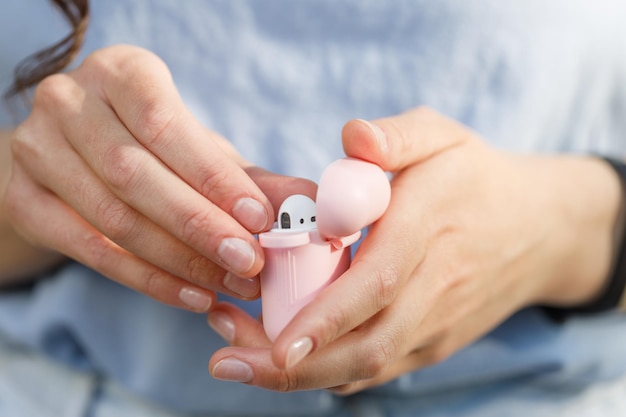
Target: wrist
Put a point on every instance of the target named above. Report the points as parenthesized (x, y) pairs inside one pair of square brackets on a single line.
[(584, 199)]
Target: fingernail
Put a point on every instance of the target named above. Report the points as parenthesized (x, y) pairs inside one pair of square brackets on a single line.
[(298, 351), (195, 299), (381, 138), (231, 369), (246, 287), (223, 325), (250, 213), (237, 254)]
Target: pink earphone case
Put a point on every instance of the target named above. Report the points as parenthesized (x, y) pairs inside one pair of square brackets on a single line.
[(299, 264)]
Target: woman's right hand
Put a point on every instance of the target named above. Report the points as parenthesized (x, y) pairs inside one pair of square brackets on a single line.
[(112, 170)]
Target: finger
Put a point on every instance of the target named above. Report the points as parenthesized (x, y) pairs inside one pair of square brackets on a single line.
[(380, 268), (82, 190), (377, 351), (144, 182), (366, 353), (462, 316), (412, 362), (236, 327), (469, 309), (278, 187), (397, 142), (253, 365), (359, 355), (49, 222), (158, 119), (466, 330)]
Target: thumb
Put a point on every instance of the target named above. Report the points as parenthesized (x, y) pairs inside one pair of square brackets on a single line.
[(397, 142)]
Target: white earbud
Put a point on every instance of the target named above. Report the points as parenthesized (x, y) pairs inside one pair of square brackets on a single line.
[(297, 213)]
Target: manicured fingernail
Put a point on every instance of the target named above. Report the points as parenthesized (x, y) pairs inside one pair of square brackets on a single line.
[(246, 287), (251, 214), (237, 254), (195, 299), (231, 369), (381, 138), (298, 351), (223, 325)]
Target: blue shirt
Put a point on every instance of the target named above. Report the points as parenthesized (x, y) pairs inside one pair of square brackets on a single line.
[(279, 78)]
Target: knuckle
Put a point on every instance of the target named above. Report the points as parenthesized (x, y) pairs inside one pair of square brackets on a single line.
[(104, 59), (438, 353), (23, 144), (385, 286), (95, 61), (426, 112), (150, 283), (199, 269), (457, 133), (117, 219), (433, 338), (401, 142), (446, 325), (333, 324), (153, 118), (55, 91), (215, 181), (137, 71), (122, 61), (379, 358), (195, 225), (446, 282), (289, 382), (97, 251), (455, 274), (122, 168)]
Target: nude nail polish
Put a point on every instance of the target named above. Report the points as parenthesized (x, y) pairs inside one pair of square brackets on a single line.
[(250, 214), (223, 325), (237, 254), (195, 299), (298, 351), (245, 287), (231, 369)]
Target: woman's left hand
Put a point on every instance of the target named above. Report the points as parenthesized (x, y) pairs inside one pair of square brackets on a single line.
[(471, 236)]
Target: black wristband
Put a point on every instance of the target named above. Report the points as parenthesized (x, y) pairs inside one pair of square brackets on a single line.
[(612, 294)]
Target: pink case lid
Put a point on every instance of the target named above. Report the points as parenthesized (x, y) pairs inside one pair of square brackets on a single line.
[(352, 194)]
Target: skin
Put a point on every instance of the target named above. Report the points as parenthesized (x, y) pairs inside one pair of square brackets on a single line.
[(471, 236), (112, 170)]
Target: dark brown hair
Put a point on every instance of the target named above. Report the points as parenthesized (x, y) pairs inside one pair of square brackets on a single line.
[(54, 58)]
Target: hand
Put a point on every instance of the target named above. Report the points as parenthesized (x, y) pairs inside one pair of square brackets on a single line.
[(112, 170), (471, 235)]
